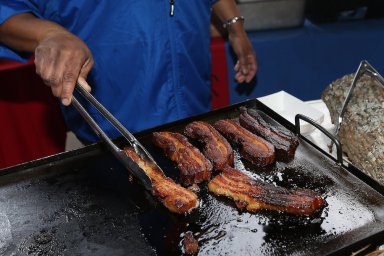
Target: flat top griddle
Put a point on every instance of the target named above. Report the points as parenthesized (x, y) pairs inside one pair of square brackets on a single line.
[(82, 202)]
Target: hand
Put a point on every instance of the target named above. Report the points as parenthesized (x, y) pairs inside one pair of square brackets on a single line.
[(246, 65), (61, 59)]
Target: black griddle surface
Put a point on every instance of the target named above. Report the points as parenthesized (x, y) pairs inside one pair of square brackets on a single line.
[(82, 203)]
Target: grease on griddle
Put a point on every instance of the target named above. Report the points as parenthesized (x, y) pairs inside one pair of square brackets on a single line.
[(288, 175), (299, 177), (43, 242)]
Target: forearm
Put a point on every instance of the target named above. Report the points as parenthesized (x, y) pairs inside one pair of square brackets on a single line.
[(246, 65), (61, 58), (226, 9), (23, 32)]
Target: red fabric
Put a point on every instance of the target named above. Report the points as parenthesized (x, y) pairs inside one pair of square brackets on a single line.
[(9, 64), (31, 124), (219, 79)]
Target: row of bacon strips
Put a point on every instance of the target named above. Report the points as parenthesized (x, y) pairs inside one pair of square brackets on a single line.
[(217, 156)]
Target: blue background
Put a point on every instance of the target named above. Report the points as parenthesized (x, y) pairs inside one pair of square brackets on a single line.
[(303, 61)]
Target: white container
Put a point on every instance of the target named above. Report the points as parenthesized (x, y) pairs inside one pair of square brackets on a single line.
[(289, 106), (271, 14)]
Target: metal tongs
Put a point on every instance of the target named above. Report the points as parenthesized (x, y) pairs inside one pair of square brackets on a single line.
[(120, 154), (364, 68)]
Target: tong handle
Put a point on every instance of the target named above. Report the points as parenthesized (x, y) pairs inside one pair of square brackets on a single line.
[(139, 149), (105, 113), (323, 130), (363, 68), (96, 128), (117, 152)]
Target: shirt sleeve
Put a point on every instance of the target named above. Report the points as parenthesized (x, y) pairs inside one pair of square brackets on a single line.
[(9, 8)]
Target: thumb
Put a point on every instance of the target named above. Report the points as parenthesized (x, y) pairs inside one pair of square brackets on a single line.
[(83, 83), (84, 73)]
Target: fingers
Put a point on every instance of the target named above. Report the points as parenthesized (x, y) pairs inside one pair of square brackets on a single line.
[(68, 83), (60, 61), (59, 72), (252, 68), (45, 62), (245, 69), (239, 75)]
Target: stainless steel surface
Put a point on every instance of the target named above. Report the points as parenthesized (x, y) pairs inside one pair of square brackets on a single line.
[(271, 14), (119, 154)]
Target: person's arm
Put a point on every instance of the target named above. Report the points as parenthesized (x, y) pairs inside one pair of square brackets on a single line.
[(61, 58), (246, 65)]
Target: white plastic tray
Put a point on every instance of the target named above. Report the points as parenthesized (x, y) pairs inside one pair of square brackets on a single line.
[(289, 106)]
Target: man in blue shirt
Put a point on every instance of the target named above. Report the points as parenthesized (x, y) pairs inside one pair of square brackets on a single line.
[(147, 61)]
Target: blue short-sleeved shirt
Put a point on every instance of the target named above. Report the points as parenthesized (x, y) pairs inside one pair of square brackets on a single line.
[(150, 68)]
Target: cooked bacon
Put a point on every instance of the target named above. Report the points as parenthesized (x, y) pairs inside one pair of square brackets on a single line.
[(190, 244), (254, 195), (173, 196), (216, 147), (284, 141), (193, 166), (253, 148)]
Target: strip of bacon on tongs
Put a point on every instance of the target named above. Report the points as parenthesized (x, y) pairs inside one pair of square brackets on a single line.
[(193, 165), (284, 141), (253, 195), (252, 147), (173, 196), (216, 147)]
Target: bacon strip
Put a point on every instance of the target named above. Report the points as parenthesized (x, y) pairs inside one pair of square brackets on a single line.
[(173, 196), (216, 147), (254, 195), (193, 166), (189, 243), (284, 141), (253, 148)]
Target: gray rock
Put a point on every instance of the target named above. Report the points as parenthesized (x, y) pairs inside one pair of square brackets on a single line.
[(362, 130)]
